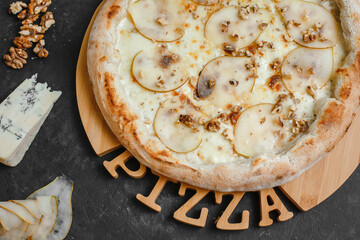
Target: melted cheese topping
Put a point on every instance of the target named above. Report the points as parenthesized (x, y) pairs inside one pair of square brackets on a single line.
[(197, 51)]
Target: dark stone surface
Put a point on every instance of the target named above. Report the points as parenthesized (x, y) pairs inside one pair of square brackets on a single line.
[(105, 208)]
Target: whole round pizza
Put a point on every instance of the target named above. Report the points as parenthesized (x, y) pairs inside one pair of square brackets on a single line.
[(227, 95)]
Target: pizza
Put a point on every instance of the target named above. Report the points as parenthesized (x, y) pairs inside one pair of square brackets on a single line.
[(227, 95)]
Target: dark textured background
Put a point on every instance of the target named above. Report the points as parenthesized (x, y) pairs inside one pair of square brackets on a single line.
[(105, 208)]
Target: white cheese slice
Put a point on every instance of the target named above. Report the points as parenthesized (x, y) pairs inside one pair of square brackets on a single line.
[(21, 116)]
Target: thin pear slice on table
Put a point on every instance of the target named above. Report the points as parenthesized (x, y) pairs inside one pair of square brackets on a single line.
[(159, 70), (14, 234), (206, 2), (30, 229), (175, 125), (228, 26), (306, 68), (9, 220), (61, 188), (18, 210), (262, 135), (226, 80), (30, 205), (159, 20), (48, 209), (310, 24)]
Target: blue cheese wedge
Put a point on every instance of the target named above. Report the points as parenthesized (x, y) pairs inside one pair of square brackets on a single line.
[(21, 116)]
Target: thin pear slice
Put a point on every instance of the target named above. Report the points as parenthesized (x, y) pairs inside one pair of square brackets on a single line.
[(310, 24), (9, 220), (14, 234), (159, 20), (48, 208), (31, 229), (226, 80), (306, 67), (61, 188), (227, 26), (159, 70), (206, 2), (257, 131), (19, 211), (30, 205), (174, 134)]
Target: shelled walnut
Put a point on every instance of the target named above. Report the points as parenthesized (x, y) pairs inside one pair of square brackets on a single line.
[(47, 20), (16, 58), (27, 17), (37, 6), (40, 50), (16, 7), (23, 42)]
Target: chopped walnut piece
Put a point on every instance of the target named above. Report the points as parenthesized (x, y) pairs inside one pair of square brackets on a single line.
[(213, 125), (234, 82), (40, 50), (16, 58), (299, 126), (27, 18), (47, 20), (274, 80), (311, 91), (278, 105), (290, 24), (160, 83), (233, 117), (255, 8), (162, 21), (244, 13), (16, 7), (311, 71), (229, 48), (236, 109), (28, 30), (234, 36), (211, 83), (287, 37), (263, 120), (168, 59), (310, 36), (224, 26), (187, 120), (37, 6), (23, 42), (262, 26), (276, 64), (222, 117)]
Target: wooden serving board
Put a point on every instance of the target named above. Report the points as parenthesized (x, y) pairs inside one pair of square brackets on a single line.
[(306, 192)]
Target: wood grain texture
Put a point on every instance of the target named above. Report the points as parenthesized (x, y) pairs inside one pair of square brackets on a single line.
[(100, 136), (323, 179), (306, 192)]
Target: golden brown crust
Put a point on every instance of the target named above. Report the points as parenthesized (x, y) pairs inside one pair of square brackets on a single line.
[(334, 115)]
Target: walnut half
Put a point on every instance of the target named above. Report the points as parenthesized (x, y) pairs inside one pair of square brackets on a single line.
[(16, 58), (47, 20), (16, 7), (40, 50)]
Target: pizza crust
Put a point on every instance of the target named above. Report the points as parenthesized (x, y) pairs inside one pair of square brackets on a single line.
[(334, 115)]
